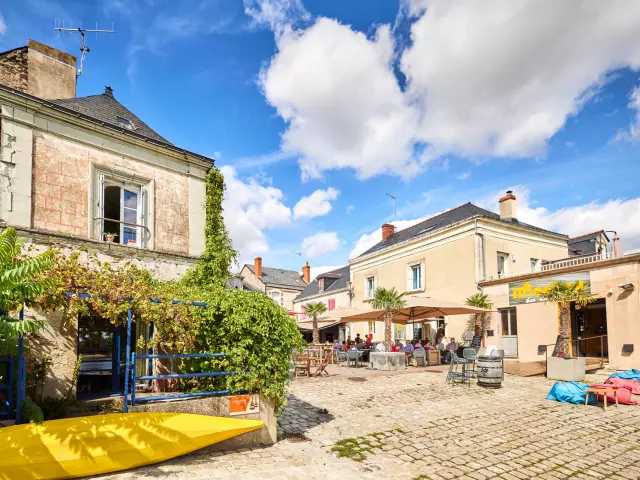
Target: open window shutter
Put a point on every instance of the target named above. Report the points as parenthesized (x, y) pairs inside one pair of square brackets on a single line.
[(410, 278), (142, 214), (147, 214), (100, 206), (332, 303)]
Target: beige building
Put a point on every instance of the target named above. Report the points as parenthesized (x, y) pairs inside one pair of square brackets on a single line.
[(87, 172), (283, 286), (608, 328), (334, 290), (446, 257)]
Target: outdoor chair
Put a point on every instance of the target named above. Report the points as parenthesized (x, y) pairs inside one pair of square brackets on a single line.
[(322, 366), (419, 355), (454, 375), (471, 356), (354, 355), (301, 364), (342, 356)]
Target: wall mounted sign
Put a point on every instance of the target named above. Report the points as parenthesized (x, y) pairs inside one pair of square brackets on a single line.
[(531, 291), (244, 404)]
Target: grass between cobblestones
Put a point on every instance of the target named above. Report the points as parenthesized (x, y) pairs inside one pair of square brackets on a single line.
[(357, 448)]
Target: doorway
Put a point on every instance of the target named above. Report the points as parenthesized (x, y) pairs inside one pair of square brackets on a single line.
[(589, 329), (509, 331)]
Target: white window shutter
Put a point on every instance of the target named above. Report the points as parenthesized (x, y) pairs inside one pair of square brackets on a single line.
[(142, 214), (410, 287), (148, 208), (100, 206)]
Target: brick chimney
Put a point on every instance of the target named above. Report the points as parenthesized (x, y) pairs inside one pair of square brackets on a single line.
[(508, 206), (306, 272), (387, 230), (257, 266)]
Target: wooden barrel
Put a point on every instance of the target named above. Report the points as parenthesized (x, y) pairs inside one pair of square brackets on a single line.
[(490, 372)]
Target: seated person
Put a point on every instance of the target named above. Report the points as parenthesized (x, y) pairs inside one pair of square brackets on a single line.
[(409, 348), (439, 343), (394, 347), (418, 345), (428, 346), (380, 347), (358, 339), (452, 345), (368, 343), (345, 346), (399, 345), (336, 345), (359, 346)]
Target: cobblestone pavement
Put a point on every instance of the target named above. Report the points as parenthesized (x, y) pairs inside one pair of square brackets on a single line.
[(416, 426)]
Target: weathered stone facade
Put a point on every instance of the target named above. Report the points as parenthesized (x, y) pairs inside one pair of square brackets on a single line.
[(14, 70)]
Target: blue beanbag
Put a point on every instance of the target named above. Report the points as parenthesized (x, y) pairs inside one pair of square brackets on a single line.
[(570, 392), (628, 375)]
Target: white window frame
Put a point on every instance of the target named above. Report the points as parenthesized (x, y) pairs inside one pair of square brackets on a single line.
[(370, 293), (534, 265), (146, 203), (372, 327), (505, 256), (278, 300), (410, 286)]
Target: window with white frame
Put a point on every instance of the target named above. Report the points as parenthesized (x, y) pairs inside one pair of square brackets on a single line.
[(369, 287), (503, 264), (534, 264), (415, 277), (275, 296), (122, 209)]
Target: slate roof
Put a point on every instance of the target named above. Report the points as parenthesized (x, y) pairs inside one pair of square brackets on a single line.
[(342, 274), (280, 277), (445, 219), (106, 108), (584, 244)]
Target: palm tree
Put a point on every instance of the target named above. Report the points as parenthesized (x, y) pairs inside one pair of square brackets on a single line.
[(480, 300), (563, 293), (389, 301), (313, 309), (20, 284)]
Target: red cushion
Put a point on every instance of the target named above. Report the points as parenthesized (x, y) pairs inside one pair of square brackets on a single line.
[(624, 394), (632, 385)]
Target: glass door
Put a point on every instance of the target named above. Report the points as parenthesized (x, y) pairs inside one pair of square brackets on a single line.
[(509, 331)]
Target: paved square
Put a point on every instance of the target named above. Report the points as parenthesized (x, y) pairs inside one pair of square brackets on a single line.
[(413, 425)]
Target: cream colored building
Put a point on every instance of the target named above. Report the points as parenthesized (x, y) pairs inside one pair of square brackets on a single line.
[(78, 171), (281, 285), (333, 289), (609, 328), (447, 256)]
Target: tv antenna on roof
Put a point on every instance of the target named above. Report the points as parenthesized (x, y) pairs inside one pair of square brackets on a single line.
[(59, 27)]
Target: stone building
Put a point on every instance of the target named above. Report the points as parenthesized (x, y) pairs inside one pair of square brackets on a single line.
[(87, 172)]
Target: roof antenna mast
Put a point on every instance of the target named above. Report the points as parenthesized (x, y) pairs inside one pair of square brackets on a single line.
[(59, 27)]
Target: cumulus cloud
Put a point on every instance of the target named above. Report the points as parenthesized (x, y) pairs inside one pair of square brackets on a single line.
[(320, 244), (315, 271), (501, 77), (278, 15), (316, 204), (368, 240), (633, 133), (249, 209), (342, 104), (621, 215)]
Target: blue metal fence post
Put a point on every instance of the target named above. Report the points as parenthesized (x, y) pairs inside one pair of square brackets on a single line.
[(115, 360), (21, 370), (133, 378), (127, 362)]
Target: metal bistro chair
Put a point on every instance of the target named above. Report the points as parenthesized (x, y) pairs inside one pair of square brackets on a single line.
[(471, 356), (354, 355), (454, 375), (342, 356)]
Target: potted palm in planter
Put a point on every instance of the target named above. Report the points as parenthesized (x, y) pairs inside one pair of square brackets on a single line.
[(564, 366), (313, 310), (387, 301)]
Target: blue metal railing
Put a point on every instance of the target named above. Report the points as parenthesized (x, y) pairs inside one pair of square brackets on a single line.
[(171, 375)]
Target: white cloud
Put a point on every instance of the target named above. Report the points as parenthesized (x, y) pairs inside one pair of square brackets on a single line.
[(368, 240), (633, 133), (3, 25), (350, 208), (278, 15), (501, 77), (319, 244), (316, 204), (343, 107), (315, 271), (464, 176), (249, 209), (621, 215)]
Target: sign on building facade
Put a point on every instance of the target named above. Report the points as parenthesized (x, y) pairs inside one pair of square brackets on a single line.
[(531, 291)]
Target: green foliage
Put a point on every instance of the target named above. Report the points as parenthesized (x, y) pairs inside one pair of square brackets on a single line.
[(563, 293), (36, 374), (388, 300), (479, 300), (21, 283), (31, 412), (313, 310), (219, 254)]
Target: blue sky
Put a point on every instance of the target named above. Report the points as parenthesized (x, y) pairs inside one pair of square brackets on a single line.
[(315, 109)]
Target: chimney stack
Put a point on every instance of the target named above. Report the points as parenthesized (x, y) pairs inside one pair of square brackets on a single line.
[(306, 272), (387, 230), (257, 266), (508, 206)]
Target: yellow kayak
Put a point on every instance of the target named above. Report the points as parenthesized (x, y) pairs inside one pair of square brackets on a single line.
[(84, 446)]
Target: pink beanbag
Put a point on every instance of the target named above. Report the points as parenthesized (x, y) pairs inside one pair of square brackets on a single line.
[(632, 385), (624, 394)]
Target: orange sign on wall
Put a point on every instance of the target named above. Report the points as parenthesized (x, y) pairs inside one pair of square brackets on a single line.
[(244, 404)]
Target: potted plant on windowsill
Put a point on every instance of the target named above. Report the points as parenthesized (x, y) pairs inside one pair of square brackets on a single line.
[(564, 366)]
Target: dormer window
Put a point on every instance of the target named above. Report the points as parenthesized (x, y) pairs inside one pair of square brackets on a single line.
[(321, 285), (125, 122)]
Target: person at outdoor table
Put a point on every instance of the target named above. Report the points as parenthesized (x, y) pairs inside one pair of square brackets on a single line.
[(380, 347), (439, 343), (428, 346), (359, 345), (349, 341), (336, 345), (368, 343), (394, 348), (358, 339), (452, 345), (398, 345), (476, 341), (409, 348), (418, 345), (345, 346)]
